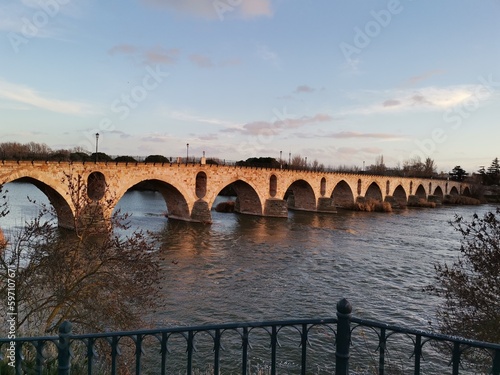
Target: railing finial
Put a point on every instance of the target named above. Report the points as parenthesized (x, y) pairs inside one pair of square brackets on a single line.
[(344, 306)]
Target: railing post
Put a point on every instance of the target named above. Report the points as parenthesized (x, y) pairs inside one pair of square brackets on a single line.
[(496, 363), (64, 356), (344, 310)]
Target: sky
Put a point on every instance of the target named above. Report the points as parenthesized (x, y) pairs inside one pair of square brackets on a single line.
[(338, 81)]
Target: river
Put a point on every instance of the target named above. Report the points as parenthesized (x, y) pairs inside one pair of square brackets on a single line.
[(249, 268)]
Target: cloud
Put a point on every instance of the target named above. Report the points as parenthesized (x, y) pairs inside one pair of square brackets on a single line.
[(155, 55), (266, 54), (423, 77), (391, 103), (304, 88), (230, 62), (201, 61), (26, 95), (209, 137), (160, 55), (156, 138), (213, 9), (353, 150), (183, 116), (15, 14), (430, 98), (126, 49), (351, 134), (120, 134), (275, 127)]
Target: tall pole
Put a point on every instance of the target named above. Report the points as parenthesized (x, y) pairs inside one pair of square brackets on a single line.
[(289, 158), (187, 152), (281, 152), (96, 145)]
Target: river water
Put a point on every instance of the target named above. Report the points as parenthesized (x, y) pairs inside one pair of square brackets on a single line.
[(248, 268)]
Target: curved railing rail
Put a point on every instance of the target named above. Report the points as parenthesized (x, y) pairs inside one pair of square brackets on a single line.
[(306, 346)]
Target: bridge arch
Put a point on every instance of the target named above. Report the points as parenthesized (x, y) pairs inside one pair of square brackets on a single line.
[(300, 196), (420, 192), (400, 195), (247, 199), (454, 191), (342, 194), (438, 192), (374, 192), (177, 207), (64, 212)]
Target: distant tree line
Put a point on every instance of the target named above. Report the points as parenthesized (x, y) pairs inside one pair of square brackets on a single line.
[(40, 151), (491, 175)]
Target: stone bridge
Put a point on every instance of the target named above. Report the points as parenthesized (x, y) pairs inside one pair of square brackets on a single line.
[(190, 190)]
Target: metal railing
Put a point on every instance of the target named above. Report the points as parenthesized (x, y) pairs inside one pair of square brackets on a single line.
[(309, 346)]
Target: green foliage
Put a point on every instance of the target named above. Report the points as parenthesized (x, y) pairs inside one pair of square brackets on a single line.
[(458, 174), (126, 159), (156, 159), (471, 285), (264, 162), (79, 156), (491, 176), (101, 157)]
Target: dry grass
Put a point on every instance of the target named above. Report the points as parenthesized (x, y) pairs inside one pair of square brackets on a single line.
[(422, 203), (371, 205)]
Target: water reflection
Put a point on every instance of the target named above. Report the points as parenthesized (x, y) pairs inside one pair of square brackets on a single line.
[(245, 267)]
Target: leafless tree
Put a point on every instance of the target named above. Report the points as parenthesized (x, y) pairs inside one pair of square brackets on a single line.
[(98, 276), (471, 285)]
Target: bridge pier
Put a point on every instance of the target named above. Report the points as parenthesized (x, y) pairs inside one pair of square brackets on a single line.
[(326, 205), (435, 198), (275, 207), (413, 199), (201, 212)]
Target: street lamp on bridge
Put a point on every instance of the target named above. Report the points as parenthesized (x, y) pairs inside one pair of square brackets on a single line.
[(187, 152), (96, 145)]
